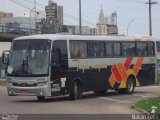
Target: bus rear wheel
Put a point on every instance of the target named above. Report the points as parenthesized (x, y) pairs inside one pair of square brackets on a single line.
[(130, 86), (76, 91), (41, 98)]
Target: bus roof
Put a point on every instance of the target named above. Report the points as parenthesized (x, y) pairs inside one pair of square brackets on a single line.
[(82, 37)]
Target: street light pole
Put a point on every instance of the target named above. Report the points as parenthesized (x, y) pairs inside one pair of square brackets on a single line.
[(150, 3), (80, 18), (129, 24)]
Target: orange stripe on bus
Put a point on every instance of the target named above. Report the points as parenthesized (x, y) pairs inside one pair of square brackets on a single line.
[(112, 80), (138, 65)]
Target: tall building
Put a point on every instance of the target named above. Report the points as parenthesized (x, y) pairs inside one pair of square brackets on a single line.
[(112, 19), (60, 14), (54, 12), (51, 11), (101, 25), (5, 15), (54, 19)]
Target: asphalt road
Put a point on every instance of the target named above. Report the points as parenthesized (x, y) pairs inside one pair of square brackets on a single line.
[(110, 103)]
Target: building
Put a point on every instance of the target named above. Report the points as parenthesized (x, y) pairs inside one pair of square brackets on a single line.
[(112, 29), (51, 11), (5, 15), (74, 29), (54, 19), (60, 14), (112, 19), (101, 25), (25, 23), (49, 27), (106, 25), (93, 31), (85, 30)]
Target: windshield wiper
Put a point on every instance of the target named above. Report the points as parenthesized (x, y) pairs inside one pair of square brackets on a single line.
[(25, 65)]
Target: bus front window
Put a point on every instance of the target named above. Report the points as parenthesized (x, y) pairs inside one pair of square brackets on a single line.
[(30, 57)]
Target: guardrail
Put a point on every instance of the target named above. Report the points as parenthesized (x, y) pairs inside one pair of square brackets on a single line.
[(27, 31)]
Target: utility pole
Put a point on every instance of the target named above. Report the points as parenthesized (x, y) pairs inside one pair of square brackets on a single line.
[(150, 3), (80, 18), (35, 11)]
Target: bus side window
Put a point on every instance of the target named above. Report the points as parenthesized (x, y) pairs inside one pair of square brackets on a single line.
[(142, 49), (96, 49), (78, 49), (128, 49), (113, 49), (151, 49)]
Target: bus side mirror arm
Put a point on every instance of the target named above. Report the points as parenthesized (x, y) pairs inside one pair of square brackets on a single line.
[(5, 57)]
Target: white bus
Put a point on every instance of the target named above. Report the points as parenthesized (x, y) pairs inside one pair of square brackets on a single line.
[(52, 65)]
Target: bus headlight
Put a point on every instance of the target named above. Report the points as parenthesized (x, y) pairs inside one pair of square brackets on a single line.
[(42, 84), (9, 83)]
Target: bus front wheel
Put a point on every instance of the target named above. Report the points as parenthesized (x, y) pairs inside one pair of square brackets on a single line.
[(76, 91)]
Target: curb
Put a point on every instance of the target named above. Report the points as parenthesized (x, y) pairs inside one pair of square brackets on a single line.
[(140, 110)]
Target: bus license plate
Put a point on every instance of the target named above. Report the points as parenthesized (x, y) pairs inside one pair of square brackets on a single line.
[(24, 91)]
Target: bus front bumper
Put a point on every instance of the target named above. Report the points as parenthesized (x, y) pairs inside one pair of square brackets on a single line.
[(28, 91)]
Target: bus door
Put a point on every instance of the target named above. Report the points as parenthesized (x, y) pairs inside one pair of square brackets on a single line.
[(59, 65)]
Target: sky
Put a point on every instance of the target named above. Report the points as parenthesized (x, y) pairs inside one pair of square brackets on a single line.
[(126, 11)]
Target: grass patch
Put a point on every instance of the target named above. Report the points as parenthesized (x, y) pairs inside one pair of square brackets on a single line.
[(148, 103), (158, 72), (158, 78), (3, 82)]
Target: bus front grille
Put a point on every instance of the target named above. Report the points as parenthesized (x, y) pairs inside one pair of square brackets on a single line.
[(24, 85)]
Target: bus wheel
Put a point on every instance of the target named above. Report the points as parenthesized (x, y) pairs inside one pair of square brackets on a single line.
[(100, 92), (130, 86), (41, 98), (76, 91)]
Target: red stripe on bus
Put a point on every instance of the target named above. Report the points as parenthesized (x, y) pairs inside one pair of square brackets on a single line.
[(117, 74), (128, 62)]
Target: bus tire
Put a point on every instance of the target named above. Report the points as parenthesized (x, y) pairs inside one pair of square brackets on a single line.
[(41, 98), (130, 86), (76, 90)]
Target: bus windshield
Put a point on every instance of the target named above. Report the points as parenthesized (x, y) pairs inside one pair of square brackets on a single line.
[(29, 57)]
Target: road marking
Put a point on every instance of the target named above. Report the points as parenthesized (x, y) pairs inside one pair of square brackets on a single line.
[(151, 94), (110, 99), (144, 95), (140, 95), (151, 87)]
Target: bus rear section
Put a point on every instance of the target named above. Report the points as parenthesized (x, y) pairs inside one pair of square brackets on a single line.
[(121, 65)]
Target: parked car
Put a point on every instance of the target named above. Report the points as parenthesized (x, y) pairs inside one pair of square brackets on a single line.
[(17, 31)]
